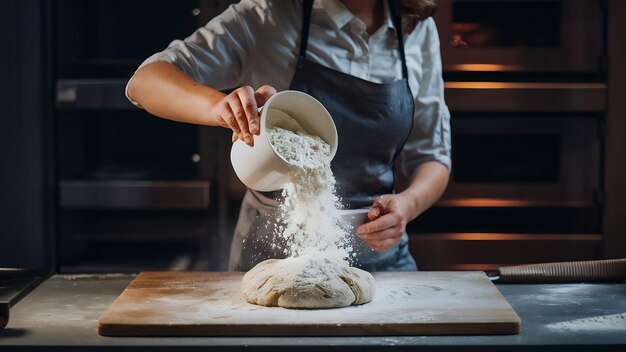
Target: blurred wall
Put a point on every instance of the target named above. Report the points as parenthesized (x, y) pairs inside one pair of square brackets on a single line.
[(23, 101)]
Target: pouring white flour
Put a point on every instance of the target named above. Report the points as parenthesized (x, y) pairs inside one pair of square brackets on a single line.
[(317, 273)]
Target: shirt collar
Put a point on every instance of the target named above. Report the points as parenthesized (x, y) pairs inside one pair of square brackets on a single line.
[(341, 16), (388, 18)]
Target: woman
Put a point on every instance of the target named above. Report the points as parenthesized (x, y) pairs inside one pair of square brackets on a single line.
[(374, 64)]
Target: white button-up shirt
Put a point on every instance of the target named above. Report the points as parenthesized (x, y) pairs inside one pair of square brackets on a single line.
[(256, 42)]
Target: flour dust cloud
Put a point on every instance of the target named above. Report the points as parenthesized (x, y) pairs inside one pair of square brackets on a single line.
[(310, 222)]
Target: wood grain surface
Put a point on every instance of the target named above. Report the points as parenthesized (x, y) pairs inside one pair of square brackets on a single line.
[(407, 303)]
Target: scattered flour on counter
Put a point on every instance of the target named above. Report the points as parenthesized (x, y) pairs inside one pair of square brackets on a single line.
[(95, 276), (603, 322)]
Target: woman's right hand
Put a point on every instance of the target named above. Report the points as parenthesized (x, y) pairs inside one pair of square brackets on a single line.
[(165, 91), (239, 111)]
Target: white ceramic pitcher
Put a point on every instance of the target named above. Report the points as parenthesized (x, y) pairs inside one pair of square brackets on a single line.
[(260, 167)]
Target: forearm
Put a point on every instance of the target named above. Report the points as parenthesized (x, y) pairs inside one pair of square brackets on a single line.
[(165, 91), (428, 184)]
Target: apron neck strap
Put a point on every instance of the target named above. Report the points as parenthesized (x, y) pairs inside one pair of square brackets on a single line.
[(397, 22), (307, 9)]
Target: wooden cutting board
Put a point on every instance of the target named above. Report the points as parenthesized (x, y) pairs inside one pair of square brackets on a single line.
[(407, 303)]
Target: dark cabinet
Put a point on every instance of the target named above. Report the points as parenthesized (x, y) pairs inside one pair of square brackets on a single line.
[(135, 192)]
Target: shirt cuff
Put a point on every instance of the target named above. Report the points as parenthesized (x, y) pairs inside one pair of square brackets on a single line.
[(409, 168)]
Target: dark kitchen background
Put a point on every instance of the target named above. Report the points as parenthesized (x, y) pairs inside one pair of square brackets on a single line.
[(90, 183)]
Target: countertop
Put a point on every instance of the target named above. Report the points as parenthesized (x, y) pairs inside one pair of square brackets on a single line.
[(61, 314)]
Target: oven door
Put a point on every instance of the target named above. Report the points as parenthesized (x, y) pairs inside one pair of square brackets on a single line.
[(521, 35), (524, 161)]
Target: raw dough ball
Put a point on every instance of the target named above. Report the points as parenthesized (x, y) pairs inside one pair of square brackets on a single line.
[(307, 282)]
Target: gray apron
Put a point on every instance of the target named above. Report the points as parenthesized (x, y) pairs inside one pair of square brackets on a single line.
[(373, 123)]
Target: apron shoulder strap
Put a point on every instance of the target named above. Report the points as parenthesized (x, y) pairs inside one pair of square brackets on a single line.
[(307, 8), (397, 22)]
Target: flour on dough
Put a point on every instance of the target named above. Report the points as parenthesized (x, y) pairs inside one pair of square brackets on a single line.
[(309, 281), (316, 273)]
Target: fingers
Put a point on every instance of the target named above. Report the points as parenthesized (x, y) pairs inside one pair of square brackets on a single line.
[(241, 120), (378, 208), (226, 115), (382, 223), (381, 206), (248, 103), (374, 213), (382, 241), (383, 233), (384, 245), (386, 225), (239, 111), (243, 106), (263, 94)]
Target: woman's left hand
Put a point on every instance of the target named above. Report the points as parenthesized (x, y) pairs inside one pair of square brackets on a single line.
[(388, 218)]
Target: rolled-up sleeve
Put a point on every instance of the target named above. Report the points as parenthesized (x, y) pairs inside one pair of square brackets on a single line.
[(220, 53), (430, 137)]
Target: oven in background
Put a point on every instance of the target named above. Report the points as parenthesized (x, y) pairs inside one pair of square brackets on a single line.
[(525, 161), (526, 87), (523, 188), (522, 35)]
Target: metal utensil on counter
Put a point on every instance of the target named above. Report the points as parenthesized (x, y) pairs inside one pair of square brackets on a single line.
[(14, 285), (610, 270)]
